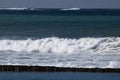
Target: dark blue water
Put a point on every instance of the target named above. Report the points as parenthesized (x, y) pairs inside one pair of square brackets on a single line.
[(58, 76), (41, 23)]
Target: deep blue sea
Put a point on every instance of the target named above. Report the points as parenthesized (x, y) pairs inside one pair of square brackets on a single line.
[(87, 38), (58, 76), (42, 23)]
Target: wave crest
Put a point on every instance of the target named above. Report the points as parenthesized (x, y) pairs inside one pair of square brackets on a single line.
[(71, 9), (14, 8), (62, 45)]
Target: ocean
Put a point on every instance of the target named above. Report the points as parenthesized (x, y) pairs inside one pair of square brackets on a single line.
[(82, 38), (58, 76)]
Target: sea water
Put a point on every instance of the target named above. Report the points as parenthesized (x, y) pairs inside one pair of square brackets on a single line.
[(60, 37), (58, 76)]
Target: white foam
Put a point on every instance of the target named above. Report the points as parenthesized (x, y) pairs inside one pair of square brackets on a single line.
[(71, 9), (62, 45), (62, 52), (113, 64), (72, 60), (13, 8)]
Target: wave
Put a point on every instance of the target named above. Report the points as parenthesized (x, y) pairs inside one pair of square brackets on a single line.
[(31, 9), (71, 9), (24, 8), (14, 8), (62, 45)]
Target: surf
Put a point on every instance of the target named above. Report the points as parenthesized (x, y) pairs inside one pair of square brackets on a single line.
[(62, 45)]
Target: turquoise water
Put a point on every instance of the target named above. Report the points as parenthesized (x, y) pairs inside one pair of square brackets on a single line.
[(58, 76), (40, 23), (41, 26)]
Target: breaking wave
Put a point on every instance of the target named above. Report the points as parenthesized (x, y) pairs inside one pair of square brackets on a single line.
[(24, 8), (71, 9), (62, 45), (14, 8)]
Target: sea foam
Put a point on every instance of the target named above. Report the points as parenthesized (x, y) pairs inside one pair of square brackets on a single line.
[(71, 9), (13, 8), (62, 45)]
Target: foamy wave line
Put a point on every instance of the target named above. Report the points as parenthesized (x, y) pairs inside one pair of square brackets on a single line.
[(71, 9), (14, 8), (62, 45)]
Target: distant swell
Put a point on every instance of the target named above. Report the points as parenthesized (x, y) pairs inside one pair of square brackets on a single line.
[(62, 45), (71, 9)]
